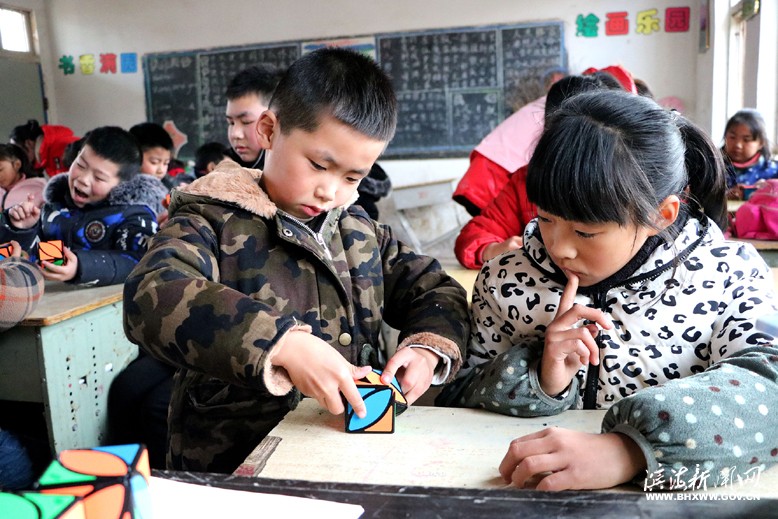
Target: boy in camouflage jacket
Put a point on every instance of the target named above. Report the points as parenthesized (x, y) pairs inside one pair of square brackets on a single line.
[(266, 285)]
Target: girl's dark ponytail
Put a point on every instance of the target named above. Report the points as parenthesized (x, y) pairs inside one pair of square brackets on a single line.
[(706, 172), (26, 132)]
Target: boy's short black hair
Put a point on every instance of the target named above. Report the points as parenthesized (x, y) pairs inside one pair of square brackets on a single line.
[(151, 135), (209, 152), (117, 145), (344, 84), (260, 81), (72, 150)]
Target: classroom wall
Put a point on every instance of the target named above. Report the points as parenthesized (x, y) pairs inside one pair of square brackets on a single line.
[(75, 27)]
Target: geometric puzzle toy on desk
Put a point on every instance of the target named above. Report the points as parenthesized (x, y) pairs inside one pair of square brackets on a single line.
[(112, 481), (6, 250), (382, 402), (33, 505), (52, 251)]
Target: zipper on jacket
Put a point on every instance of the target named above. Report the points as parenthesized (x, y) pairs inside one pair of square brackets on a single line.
[(593, 372), (316, 235)]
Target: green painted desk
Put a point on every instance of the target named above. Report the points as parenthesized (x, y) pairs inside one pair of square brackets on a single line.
[(65, 355)]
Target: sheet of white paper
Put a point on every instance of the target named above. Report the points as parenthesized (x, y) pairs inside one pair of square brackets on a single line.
[(176, 499)]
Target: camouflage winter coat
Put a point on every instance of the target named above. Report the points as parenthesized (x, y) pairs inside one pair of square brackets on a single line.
[(229, 275)]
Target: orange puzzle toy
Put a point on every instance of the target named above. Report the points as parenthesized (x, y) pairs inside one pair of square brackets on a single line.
[(52, 251), (6, 250)]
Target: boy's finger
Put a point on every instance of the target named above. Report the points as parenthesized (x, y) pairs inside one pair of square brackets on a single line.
[(390, 370), (351, 393), (567, 299)]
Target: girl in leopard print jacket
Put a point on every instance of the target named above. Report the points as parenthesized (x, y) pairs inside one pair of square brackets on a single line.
[(626, 297)]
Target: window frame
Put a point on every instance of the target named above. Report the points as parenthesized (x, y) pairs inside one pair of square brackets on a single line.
[(30, 28)]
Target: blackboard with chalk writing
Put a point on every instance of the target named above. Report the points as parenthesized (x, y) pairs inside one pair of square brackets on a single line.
[(453, 85)]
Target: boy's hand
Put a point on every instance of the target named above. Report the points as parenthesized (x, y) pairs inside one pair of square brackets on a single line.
[(26, 214), (415, 368), (16, 250), (561, 459), (568, 348), (320, 372), (64, 272)]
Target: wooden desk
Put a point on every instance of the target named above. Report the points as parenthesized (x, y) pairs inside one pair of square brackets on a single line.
[(65, 355), (431, 446)]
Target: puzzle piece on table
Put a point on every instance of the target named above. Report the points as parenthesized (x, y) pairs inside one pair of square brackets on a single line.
[(52, 251), (112, 481), (379, 401), (374, 378)]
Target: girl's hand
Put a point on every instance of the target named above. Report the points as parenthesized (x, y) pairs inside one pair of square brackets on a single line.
[(26, 214), (415, 368), (562, 459), (567, 348), (64, 272)]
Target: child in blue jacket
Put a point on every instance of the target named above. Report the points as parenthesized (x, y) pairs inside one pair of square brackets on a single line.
[(100, 209)]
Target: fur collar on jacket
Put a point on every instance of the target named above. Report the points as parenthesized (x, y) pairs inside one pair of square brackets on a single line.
[(139, 190), (237, 185)]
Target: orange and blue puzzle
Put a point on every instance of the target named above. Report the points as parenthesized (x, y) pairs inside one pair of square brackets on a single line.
[(382, 401), (52, 251), (112, 482), (6, 250)]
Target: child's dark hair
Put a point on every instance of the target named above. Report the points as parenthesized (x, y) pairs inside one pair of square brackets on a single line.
[(341, 83), (26, 132), (209, 152), (569, 86), (754, 121), (151, 135), (72, 150), (610, 156), (12, 152), (117, 145), (260, 81)]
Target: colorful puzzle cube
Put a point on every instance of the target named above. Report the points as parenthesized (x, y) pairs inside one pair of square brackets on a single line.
[(112, 481), (6, 250), (52, 251), (383, 403), (34, 505)]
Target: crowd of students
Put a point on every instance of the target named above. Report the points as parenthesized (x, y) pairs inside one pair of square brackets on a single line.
[(613, 286)]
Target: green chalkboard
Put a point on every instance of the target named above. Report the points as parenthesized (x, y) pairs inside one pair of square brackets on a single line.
[(453, 85)]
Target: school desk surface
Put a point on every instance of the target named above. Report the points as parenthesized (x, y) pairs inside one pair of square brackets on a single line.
[(65, 355), (442, 462)]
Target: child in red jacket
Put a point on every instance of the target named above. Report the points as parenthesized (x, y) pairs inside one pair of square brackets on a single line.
[(45, 145), (499, 226)]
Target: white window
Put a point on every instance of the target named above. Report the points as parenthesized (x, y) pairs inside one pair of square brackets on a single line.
[(15, 31)]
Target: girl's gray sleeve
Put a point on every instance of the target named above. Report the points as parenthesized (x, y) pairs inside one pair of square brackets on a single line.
[(508, 384), (713, 427), (500, 372)]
